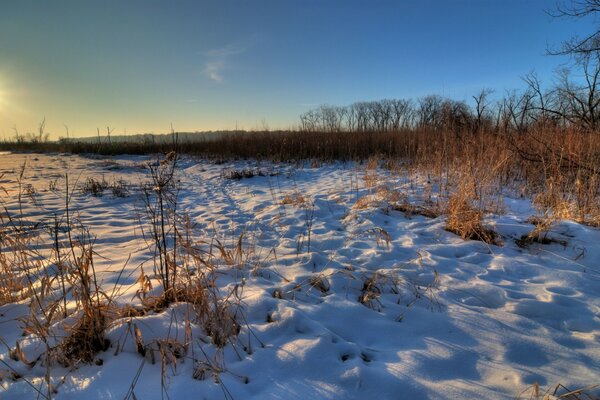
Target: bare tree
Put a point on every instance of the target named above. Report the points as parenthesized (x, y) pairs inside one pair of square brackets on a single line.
[(578, 9), (309, 121), (482, 106), (362, 117), (573, 100), (403, 114), (429, 111), (454, 115), (517, 109), (581, 97), (329, 118)]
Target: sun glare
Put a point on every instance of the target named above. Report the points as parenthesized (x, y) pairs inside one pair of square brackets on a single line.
[(8, 97), (3, 96)]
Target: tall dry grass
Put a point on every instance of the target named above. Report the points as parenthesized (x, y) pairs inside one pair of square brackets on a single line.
[(69, 311)]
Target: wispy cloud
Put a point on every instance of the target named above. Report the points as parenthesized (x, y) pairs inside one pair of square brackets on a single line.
[(218, 60)]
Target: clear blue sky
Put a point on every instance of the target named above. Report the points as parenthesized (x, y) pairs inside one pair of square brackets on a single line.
[(139, 65)]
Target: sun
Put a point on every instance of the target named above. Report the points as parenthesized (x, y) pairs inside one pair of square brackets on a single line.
[(3, 97)]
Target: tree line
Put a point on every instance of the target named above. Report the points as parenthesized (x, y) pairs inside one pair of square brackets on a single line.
[(572, 100)]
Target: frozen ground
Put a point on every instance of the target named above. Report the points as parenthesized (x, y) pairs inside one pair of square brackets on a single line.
[(445, 318)]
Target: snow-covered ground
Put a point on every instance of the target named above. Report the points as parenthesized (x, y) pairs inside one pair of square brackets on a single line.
[(441, 318)]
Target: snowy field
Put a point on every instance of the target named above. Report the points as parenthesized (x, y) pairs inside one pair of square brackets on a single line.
[(342, 297)]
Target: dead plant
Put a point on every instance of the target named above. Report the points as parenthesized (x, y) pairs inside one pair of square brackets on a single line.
[(466, 221), (559, 392), (296, 199), (160, 198), (410, 210), (95, 187), (374, 286), (87, 336)]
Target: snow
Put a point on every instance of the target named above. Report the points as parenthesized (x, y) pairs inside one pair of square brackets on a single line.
[(448, 318)]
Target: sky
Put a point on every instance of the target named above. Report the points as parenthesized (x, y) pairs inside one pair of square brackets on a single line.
[(138, 66)]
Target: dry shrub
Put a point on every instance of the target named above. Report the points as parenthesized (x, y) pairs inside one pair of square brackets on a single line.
[(466, 221), (245, 173), (13, 283), (19, 262), (320, 282), (94, 187), (553, 200), (389, 195), (233, 257), (192, 279), (217, 313), (367, 202), (410, 210), (540, 233), (87, 336), (562, 169), (119, 188), (295, 199), (381, 236), (369, 294), (168, 350), (374, 286), (371, 177), (160, 198), (220, 323), (559, 392), (587, 201), (577, 200)]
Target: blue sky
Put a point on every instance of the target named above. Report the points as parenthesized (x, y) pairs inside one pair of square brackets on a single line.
[(140, 65)]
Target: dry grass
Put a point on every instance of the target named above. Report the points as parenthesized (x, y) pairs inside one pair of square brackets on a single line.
[(558, 392), (390, 195), (320, 282), (466, 221), (97, 187), (367, 201), (540, 233), (374, 286), (237, 174), (13, 281), (296, 199), (69, 313), (410, 210), (371, 177)]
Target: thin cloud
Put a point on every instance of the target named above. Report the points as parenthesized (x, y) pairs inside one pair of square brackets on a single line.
[(219, 60), (213, 70)]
